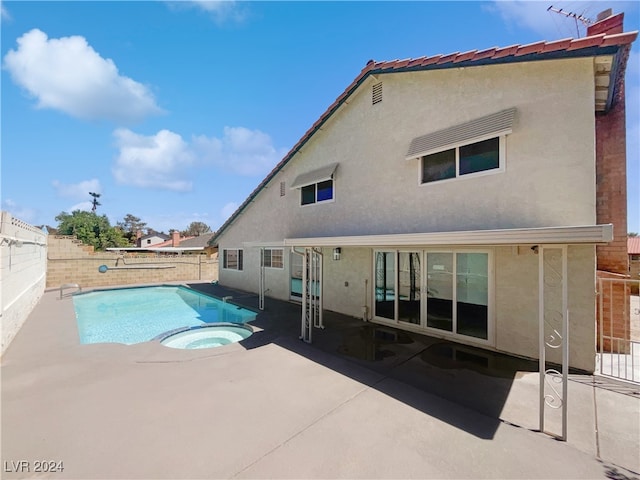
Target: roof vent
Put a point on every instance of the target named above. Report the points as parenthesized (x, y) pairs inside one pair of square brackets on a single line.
[(376, 93)]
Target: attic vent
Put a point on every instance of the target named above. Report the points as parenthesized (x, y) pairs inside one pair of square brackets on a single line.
[(282, 189), (376, 93)]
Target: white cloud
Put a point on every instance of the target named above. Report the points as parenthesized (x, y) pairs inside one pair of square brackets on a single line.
[(4, 13), (20, 212), (240, 150), (534, 15), (67, 74), (78, 190), (84, 206), (156, 161), (228, 210), (220, 10), (164, 160)]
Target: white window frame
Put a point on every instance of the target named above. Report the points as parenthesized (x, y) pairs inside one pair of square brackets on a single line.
[(422, 327), (239, 259), (270, 265), (502, 154), (316, 202)]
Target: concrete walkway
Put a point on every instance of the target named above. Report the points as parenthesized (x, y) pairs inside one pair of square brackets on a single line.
[(361, 402)]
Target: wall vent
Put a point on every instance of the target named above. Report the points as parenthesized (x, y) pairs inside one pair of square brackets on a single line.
[(376, 93), (282, 189)]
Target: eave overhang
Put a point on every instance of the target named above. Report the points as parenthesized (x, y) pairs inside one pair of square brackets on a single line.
[(574, 235)]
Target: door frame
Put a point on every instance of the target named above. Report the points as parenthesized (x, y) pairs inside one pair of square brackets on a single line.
[(422, 327)]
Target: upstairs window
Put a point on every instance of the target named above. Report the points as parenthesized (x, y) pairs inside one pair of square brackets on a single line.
[(463, 160), (316, 192), (316, 186), (476, 147)]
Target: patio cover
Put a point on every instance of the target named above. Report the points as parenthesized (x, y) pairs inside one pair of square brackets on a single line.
[(583, 234)]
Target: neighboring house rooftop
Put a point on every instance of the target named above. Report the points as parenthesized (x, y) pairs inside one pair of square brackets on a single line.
[(163, 236), (611, 49), (198, 241), (633, 245)]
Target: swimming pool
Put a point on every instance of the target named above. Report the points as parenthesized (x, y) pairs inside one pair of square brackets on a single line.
[(141, 314)]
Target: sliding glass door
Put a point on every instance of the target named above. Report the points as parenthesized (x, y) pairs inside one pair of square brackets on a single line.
[(443, 291), (472, 294), (385, 285), (409, 287), (440, 293)]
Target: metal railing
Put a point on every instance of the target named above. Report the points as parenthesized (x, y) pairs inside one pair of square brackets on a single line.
[(619, 329), (66, 286)]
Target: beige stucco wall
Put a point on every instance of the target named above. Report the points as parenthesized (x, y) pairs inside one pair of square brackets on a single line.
[(548, 180), (517, 304), (348, 287)]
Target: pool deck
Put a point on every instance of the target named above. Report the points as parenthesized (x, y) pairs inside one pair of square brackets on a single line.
[(360, 402)]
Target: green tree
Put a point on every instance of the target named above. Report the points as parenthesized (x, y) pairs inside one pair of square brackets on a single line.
[(196, 228), (632, 234), (92, 229), (130, 225)]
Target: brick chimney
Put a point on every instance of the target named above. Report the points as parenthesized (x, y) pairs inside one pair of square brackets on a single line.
[(175, 238), (606, 23), (611, 163)]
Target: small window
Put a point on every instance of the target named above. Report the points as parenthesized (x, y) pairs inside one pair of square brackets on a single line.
[(232, 259), (316, 192), (272, 258), (467, 159), (282, 189)]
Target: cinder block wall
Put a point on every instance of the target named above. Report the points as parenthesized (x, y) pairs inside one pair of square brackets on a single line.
[(69, 261)]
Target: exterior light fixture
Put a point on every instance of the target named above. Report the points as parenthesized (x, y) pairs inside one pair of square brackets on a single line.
[(336, 253)]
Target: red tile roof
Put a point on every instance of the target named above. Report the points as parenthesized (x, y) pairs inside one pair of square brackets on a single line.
[(600, 44), (633, 245)]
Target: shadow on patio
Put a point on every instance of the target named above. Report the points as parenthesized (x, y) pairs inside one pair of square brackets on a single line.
[(477, 379)]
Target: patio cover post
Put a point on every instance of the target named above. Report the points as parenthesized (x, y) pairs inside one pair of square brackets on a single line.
[(547, 273), (261, 281)]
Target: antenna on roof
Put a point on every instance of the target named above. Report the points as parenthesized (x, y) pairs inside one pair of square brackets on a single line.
[(577, 17)]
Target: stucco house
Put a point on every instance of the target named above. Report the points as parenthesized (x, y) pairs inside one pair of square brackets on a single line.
[(151, 239), (453, 195)]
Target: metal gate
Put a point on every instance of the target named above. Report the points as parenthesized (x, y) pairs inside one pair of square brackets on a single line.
[(619, 328)]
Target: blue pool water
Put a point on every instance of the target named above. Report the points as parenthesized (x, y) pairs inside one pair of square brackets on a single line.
[(134, 315)]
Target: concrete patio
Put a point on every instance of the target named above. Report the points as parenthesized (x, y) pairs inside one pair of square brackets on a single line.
[(360, 402)]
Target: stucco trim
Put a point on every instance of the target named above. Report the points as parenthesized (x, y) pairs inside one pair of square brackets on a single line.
[(587, 234)]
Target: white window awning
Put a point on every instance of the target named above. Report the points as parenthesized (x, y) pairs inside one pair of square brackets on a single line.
[(315, 176), (587, 234), (496, 124)]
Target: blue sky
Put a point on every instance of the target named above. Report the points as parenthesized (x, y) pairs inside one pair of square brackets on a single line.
[(175, 111)]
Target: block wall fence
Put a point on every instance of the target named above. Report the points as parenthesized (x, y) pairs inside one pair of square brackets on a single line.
[(23, 265), (69, 261)]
